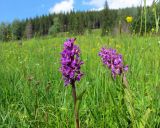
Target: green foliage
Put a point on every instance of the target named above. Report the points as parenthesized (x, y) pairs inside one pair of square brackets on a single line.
[(5, 32), (108, 21), (17, 30), (29, 30), (32, 92), (106, 6), (76, 23), (143, 22), (55, 28), (155, 12)]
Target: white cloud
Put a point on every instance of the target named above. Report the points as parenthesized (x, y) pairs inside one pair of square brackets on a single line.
[(114, 4), (64, 6), (95, 3)]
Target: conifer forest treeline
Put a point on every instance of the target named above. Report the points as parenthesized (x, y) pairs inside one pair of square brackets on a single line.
[(77, 22)]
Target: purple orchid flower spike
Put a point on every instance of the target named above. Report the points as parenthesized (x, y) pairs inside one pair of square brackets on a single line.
[(114, 61), (70, 62), (70, 68)]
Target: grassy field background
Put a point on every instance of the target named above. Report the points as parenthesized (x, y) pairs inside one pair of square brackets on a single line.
[(32, 92)]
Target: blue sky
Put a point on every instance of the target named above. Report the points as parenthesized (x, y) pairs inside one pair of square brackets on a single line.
[(21, 9)]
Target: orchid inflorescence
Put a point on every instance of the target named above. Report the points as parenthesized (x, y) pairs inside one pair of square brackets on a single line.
[(113, 60), (70, 62), (71, 65)]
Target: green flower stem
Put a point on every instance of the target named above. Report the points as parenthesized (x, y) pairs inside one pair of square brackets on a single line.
[(155, 16), (75, 105), (145, 15)]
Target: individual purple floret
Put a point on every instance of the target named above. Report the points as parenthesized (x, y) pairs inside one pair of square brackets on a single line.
[(114, 61), (70, 62)]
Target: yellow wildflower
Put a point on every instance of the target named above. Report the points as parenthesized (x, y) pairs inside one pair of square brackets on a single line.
[(129, 19)]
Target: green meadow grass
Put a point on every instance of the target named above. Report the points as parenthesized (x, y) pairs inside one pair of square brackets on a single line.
[(32, 92)]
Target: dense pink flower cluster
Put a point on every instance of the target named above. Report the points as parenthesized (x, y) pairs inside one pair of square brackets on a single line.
[(113, 60), (70, 62)]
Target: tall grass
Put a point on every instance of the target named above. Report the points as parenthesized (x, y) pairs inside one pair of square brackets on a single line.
[(156, 17), (32, 93), (145, 17)]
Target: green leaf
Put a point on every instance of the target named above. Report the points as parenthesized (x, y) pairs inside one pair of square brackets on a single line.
[(79, 99), (144, 118)]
